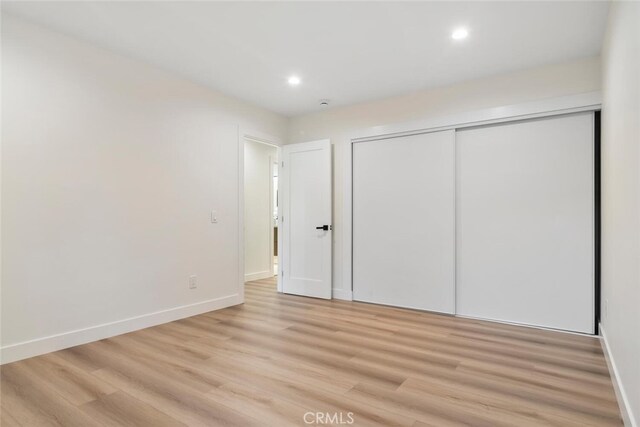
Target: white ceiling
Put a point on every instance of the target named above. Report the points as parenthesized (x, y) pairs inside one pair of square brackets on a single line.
[(347, 52)]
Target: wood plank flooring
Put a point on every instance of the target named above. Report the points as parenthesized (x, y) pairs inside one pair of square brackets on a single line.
[(278, 357)]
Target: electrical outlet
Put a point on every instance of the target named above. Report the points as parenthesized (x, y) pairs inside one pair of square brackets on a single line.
[(214, 217), (193, 282)]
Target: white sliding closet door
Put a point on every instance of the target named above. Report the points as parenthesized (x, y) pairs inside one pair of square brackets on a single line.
[(525, 222), (403, 221)]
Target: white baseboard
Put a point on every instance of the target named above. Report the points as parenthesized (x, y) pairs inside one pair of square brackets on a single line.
[(342, 294), (249, 277), (623, 400), (23, 350)]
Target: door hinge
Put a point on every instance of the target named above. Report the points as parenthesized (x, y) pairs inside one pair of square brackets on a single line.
[(283, 163)]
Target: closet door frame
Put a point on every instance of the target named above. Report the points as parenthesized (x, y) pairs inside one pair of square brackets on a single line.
[(591, 101)]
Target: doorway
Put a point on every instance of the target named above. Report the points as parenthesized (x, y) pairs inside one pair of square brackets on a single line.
[(274, 200), (292, 181), (260, 210)]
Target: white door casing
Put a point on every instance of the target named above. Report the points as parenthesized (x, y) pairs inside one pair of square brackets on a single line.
[(306, 204), (543, 109)]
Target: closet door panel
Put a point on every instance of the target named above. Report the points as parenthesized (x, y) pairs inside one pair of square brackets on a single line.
[(403, 221), (525, 222)]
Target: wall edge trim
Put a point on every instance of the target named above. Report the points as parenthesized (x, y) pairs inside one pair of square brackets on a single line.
[(23, 350), (623, 400)]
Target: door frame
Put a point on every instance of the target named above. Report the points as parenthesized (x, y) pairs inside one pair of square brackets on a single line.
[(591, 101), (262, 138)]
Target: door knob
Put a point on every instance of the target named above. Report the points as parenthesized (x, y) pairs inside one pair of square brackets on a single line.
[(324, 227)]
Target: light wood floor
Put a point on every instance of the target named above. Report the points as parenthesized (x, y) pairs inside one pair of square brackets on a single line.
[(277, 357)]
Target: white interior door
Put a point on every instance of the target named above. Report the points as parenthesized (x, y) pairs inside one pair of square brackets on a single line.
[(403, 221), (306, 219), (525, 242)]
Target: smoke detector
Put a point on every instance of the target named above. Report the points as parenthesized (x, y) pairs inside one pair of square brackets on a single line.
[(324, 102)]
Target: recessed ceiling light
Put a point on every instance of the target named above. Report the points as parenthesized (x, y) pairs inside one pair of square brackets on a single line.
[(459, 33), (294, 80)]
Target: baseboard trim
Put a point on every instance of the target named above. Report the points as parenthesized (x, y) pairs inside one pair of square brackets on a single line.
[(621, 395), (258, 276), (343, 294), (26, 349)]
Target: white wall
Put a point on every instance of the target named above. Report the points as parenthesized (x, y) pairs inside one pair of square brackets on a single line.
[(110, 169), (340, 124), (258, 213), (110, 165), (621, 197)]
